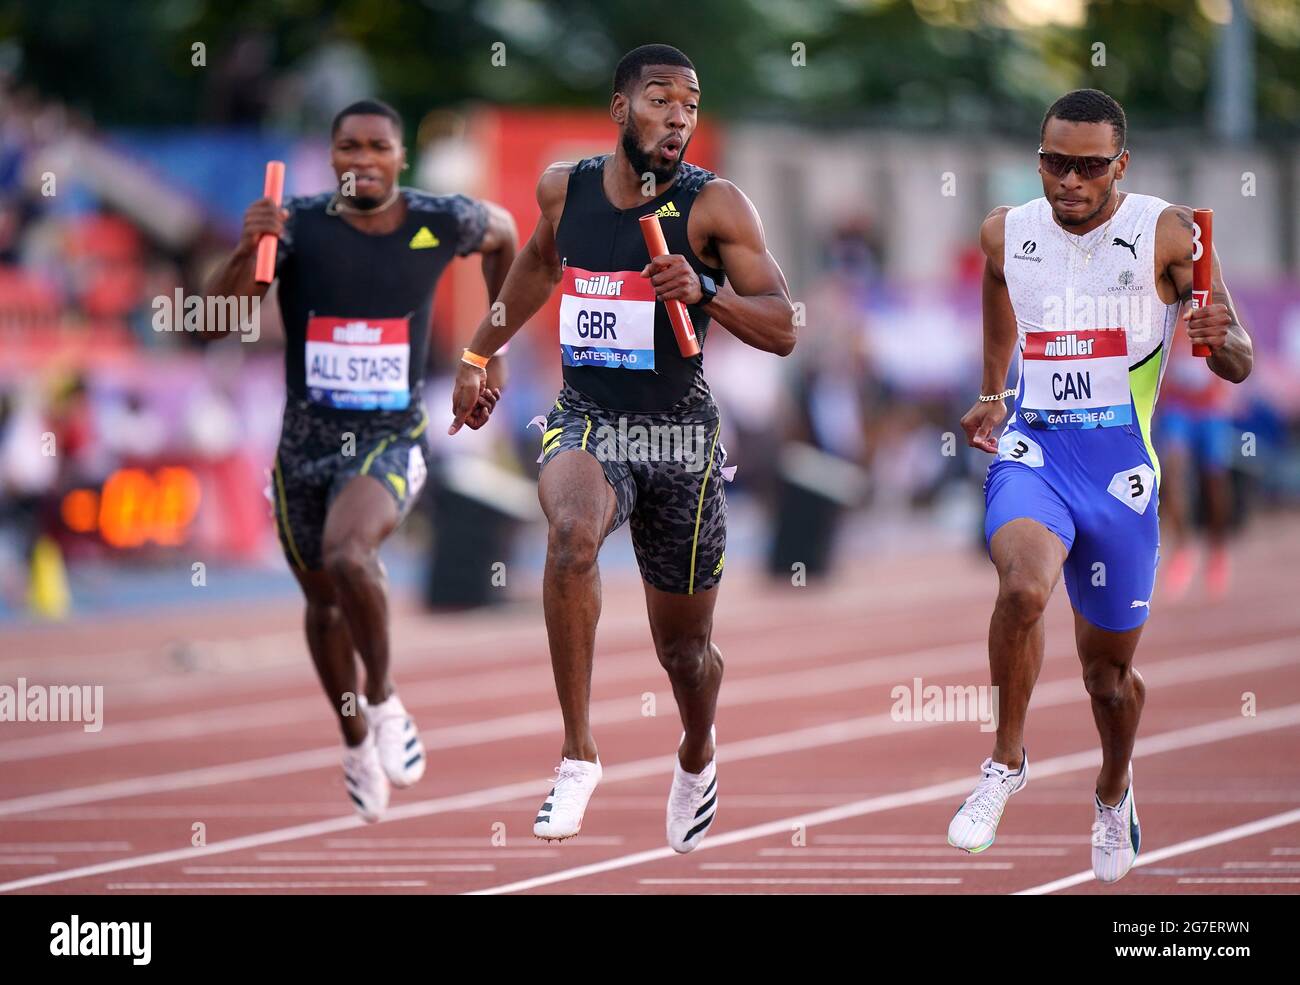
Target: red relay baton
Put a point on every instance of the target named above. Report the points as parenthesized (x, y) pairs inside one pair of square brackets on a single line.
[(274, 190), (1202, 265), (677, 313)]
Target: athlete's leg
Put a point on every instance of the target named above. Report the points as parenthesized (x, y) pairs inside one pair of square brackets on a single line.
[(330, 644), (1028, 558), (1177, 478), (1218, 506), (300, 510), (1215, 453), (580, 505), (1117, 694), (682, 629), (361, 516)]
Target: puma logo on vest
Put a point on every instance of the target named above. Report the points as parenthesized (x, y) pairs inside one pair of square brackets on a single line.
[(1131, 247)]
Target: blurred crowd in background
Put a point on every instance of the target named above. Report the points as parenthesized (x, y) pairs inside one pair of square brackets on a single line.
[(129, 448)]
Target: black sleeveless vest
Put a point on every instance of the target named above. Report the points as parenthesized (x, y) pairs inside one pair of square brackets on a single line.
[(597, 239)]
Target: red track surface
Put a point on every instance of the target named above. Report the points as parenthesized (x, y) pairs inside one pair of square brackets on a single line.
[(821, 790)]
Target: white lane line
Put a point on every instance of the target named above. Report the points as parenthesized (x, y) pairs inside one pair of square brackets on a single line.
[(64, 847), (1268, 866), (832, 838), (28, 860), (459, 631), (637, 664), (795, 881), (1182, 848), (440, 805), (249, 769), (163, 812), (851, 866), (1209, 732), (379, 855), (325, 870), (948, 659), (1224, 881), (1184, 668), (945, 851), (278, 657), (630, 802), (332, 884), (769, 687), (451, 842)]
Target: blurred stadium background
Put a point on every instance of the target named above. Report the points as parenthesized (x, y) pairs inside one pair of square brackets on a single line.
[(873, 136)]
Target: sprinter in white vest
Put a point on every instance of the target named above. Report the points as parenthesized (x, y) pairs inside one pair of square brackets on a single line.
[(1089, 284)]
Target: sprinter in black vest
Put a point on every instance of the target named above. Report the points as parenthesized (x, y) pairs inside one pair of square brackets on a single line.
[(356, 270), (634, 433)]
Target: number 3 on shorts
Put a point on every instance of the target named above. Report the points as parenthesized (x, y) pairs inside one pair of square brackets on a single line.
[(1133, 487), (1016, 447)]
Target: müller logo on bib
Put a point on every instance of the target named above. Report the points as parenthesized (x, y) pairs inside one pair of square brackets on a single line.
[(358, 332), (1068, 345), (601, 286)]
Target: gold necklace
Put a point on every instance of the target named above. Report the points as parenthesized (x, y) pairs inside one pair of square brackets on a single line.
[(1087, 254)]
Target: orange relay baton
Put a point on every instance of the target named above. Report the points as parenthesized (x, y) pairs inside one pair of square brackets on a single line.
[(1202, 265), (274, 190), (677, 313)]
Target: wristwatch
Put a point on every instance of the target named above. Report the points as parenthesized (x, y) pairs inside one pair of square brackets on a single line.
[(708, 289)]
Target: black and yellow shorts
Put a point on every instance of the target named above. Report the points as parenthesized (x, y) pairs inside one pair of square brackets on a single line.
[(319, 453), (666, 473)]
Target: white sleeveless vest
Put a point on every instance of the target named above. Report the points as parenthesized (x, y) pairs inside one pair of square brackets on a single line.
[(1093, 334)]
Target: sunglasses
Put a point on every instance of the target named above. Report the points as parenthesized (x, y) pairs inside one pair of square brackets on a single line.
[(1060, 165)]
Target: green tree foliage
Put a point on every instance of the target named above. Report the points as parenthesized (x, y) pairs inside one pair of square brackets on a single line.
[(916, 63)]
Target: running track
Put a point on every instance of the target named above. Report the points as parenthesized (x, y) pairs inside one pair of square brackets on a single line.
[(821, 790)]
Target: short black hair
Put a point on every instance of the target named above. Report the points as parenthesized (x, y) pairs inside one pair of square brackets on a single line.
[(367, 107), (630, 65), (1088, 106)]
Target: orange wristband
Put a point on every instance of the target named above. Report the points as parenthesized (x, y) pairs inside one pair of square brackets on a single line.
[(474, 359)]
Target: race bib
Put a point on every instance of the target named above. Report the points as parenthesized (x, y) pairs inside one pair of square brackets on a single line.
[(607, 319), (1075, 379), (359, 363)]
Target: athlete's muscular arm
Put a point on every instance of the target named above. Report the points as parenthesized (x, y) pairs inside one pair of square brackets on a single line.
[(754, 305), (999, 336), (235, 276), (1216, 325), (499, 246), (531, 279)]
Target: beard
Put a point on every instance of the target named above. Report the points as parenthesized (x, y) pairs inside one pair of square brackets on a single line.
[(641, 161), (1105, 200), (363, 202)]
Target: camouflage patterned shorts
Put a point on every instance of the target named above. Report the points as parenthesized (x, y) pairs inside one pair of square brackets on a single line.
[(665, 471), (319, 453)]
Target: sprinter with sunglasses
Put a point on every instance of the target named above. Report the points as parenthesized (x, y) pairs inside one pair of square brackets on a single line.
[(1089, 284)]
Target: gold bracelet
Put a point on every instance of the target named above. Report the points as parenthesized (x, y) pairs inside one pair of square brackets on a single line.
[(474, 359), (995, 397)]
